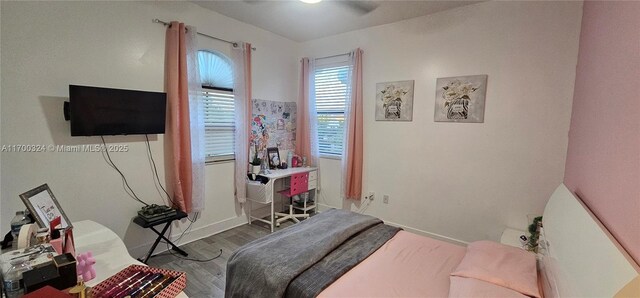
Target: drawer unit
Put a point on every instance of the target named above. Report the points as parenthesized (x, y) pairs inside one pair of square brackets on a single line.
[(313, 175), (313, 184), (299, 183)]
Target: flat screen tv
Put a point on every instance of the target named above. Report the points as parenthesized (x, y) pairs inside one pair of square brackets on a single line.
[(96, 111)]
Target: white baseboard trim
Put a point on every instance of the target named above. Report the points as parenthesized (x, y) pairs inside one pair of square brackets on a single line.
[(232, 222), (408, 229), (195, 234), (323, 207), (427, 234)]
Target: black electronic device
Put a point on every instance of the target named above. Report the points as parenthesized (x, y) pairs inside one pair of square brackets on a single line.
[(66, 265), (59, 273), (96, 111), (154, 212), (45, 275)]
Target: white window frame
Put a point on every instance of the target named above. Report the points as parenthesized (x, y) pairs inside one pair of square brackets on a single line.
[(322, 64), (228, 126)]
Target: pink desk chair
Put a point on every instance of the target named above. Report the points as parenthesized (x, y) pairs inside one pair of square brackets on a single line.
[(299, 184)]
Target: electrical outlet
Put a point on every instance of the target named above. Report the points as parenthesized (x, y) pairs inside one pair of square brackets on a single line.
[(371, 196), (385, 199)]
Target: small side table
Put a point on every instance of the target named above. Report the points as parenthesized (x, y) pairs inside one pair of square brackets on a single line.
[(151, 225), (512, 237)]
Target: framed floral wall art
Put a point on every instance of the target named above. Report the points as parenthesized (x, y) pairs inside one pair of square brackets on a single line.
[(460, 99), (394, 101)]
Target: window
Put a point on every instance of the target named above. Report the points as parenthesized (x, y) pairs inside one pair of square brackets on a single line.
[(216, 75), (331, 90)]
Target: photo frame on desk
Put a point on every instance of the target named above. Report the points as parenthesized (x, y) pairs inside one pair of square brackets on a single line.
[(274, 157), (44, 207)]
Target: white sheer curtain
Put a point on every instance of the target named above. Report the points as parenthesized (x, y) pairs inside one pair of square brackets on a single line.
[(241, 56), (313, 121), (196, 114), (307, 118)]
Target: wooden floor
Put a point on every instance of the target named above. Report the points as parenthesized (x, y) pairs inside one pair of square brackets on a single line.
[(207, 279)]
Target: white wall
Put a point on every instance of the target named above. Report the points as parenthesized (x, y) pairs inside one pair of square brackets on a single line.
[(466, 181), (48, 45)]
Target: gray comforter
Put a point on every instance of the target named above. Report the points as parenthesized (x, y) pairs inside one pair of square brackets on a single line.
[(305, 258)]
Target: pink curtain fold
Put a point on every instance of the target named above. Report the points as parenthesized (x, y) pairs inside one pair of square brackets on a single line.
[(178, 119), (303, 127), (353, 147)]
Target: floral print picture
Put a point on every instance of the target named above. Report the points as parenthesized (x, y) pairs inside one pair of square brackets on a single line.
[(460, 99), (394, 101)]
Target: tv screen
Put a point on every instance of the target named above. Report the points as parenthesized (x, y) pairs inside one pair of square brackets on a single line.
[(96, 111)]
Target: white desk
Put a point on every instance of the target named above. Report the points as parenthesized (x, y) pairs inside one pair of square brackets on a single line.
[(108, 249), (268, 191)]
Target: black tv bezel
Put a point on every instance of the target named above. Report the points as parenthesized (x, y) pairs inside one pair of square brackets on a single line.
[(115, 132)]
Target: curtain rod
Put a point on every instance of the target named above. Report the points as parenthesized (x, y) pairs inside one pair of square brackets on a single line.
[(332, 56), (234, 44)]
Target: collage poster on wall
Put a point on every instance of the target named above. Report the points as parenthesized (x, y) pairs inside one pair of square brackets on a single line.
[(273, 124)]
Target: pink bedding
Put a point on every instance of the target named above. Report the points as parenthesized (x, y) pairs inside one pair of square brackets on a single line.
[(500, 264), (408, 265), (465, 287)]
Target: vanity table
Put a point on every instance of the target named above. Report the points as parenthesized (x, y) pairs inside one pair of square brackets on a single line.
[(108, 250)]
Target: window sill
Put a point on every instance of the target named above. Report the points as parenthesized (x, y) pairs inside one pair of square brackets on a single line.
[(220, 161), (334, 157)]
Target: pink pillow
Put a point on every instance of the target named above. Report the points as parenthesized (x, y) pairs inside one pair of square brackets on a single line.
[(502, 265)]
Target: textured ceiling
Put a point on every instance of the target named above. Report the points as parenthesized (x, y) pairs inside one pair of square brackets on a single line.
[(301, 21)]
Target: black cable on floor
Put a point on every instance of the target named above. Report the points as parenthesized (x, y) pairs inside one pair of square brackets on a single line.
[(169, 249), (195, 260)]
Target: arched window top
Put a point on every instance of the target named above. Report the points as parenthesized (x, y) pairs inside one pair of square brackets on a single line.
[(215, 69)]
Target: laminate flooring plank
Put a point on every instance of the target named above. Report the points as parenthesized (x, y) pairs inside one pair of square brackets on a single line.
[(207, 279)]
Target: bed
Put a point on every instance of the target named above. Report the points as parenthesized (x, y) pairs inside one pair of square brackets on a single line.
[(342, 254)]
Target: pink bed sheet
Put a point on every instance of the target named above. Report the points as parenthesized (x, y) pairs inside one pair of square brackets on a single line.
[(465, 287), (408, 265)]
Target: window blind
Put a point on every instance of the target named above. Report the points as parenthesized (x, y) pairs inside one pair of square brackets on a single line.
[(219, 124), (331, 90)]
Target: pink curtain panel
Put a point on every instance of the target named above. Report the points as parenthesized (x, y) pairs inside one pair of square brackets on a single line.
[(178, 126), (303, 127), (353, 144)]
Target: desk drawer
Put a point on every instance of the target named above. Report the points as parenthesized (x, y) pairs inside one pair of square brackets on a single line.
[(313, 175), (312, 184)]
